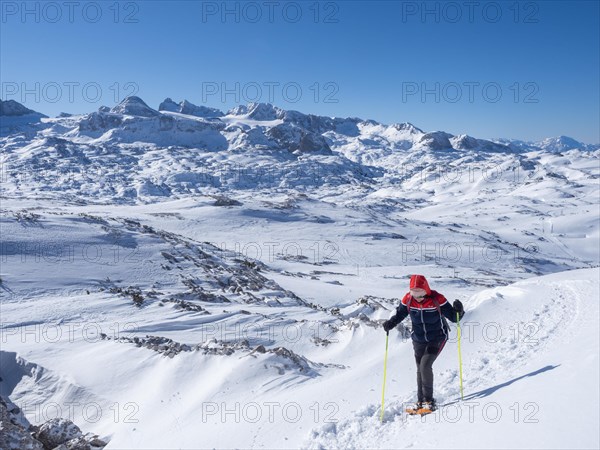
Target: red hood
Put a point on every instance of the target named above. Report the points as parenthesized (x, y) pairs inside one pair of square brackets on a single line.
[(419, 282)]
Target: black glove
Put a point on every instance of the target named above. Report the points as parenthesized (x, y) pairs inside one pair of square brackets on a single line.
[(458, 307), (389, 325)]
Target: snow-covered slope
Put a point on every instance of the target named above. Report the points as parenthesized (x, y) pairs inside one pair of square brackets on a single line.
[(209, 279), (15, 118), (11, 108), (185, 369), (530, 350)]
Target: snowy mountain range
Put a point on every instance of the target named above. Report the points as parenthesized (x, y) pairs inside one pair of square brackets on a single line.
[(183, 277), (124, 144), (281, 122)]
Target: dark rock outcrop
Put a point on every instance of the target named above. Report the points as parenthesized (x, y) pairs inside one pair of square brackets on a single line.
[(55, 434)]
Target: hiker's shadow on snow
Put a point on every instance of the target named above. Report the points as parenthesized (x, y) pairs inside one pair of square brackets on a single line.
[(489, 391)]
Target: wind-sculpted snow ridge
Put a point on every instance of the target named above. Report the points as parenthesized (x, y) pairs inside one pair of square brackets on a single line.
[(280, 358), (170, 348)]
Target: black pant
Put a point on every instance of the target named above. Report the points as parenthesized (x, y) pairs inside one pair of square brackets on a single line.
[(425, 354)]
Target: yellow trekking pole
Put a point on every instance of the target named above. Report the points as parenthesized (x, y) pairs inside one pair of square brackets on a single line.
[(387, 335), (459, 357)]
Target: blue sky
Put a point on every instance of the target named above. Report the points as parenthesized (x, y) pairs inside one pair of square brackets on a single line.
[(523, 70)]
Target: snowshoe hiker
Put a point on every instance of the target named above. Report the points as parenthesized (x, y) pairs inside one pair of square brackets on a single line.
[(428, 312)]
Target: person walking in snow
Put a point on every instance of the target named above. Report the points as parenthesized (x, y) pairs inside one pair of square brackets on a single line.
[(428, 310)]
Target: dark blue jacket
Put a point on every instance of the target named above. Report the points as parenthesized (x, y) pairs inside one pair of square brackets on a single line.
[(428, 317)]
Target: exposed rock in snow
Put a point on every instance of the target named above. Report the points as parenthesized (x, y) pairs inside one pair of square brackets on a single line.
[(223, 200), (100, 121), (14, 429), (133, 121), (292, 137), (16, 118), (264, 111), (134, 106), (239, 110), (258, 111), (561, 144), (189, 108), (283, 359), (406, 126), (55, 434), (11, 108), (322, 124), (553, 145), (436, 140), (466, 142), (169, 105)]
